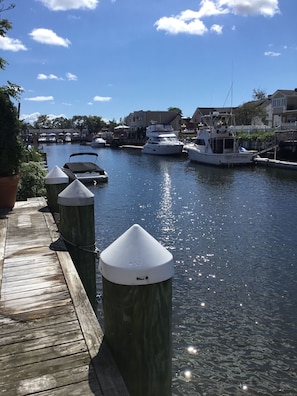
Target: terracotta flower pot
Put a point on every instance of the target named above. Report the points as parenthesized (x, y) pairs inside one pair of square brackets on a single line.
[(8, 191)]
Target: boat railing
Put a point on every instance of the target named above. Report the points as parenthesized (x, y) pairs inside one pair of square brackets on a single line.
[(83, 153)]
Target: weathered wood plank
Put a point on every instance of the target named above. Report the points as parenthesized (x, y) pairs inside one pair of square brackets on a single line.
[(31, 345), (38, 377), (34, 284), (55, 317), (14, 360), (85, 388), (40, 335), (16, 309), (20, 294)]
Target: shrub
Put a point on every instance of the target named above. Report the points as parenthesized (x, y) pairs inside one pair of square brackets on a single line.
[(32, 181)]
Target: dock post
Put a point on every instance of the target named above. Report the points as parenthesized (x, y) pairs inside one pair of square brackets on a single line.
[(137, 304), (55, 182), (77, 228)]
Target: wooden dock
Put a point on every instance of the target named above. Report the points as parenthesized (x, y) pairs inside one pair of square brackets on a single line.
[(51, 342), (274, 163)]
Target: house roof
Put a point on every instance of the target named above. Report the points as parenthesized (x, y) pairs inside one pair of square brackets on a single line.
[(286, 92)]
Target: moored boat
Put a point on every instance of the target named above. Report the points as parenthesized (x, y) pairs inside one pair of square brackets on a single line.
[(67, 137), (42, 138), (85, 171), (98, 142), (162, 140), (216, 143)]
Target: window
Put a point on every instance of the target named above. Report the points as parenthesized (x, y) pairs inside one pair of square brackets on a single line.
[(278, 102)]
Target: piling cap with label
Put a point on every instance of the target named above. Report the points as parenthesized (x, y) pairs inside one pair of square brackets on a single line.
[(136, 258), (76, 194), (56, 176)]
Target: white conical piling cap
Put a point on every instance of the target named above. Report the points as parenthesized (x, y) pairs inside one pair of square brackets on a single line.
[(136, 258), (56, 176), (76, 194)]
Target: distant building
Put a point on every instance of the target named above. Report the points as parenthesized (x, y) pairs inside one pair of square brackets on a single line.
[(200, 112), (284, 109), (141, 119)]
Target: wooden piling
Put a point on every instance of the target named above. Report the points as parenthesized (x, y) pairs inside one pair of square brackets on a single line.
[(137, 302), (77, 229), (55, 182)]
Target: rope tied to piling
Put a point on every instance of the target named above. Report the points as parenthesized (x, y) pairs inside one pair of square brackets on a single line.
[(59, 244)]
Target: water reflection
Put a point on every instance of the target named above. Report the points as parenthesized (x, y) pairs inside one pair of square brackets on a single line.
[(164, 214)]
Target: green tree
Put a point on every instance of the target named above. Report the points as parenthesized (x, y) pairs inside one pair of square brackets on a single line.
[(246, 113), (79, 122), (95, 124), (259, 94), (176, 109), (42, 122), (61, 123)]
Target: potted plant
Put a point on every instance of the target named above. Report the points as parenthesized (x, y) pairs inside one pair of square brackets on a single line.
[(11, 147)]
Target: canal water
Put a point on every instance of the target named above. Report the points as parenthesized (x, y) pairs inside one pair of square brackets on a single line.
[(233, 236)]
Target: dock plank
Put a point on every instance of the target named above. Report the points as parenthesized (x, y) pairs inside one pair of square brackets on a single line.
[(51, 342)]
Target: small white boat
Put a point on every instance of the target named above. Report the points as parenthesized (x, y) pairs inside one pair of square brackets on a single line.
[(42, 138), (67, 137), (85, 171), (216, 143), (162, 140), (52, 138), (60, 138), (98, 142)]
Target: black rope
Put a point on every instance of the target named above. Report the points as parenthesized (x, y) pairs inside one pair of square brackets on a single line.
[(60, 245)]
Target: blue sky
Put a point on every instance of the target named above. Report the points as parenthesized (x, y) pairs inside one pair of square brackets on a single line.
[(112, 57)]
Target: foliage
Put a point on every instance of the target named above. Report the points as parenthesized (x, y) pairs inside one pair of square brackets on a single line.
[(95, 124), (262, 136), (92, 123), (176, 109), (32, 154), (32, 181), (249, 111), (259, 94), (11, 146)]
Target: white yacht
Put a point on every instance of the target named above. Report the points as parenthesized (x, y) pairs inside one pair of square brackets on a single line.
[(216, 143), (162, 140)]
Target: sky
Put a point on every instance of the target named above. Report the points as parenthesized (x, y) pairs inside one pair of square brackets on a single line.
[(108, 58)]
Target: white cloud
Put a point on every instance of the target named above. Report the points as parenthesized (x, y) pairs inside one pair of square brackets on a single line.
[(178, 25), (272, 53), (40, 98), (217, 29), (252, 7), (47, 36), (42, 76), (30, 118), (71, 77), (63, 5), (10, 44), (192, 22), (102, 98)]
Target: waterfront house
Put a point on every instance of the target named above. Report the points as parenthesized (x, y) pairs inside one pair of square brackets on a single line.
[(141, 119), (284, 109)]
